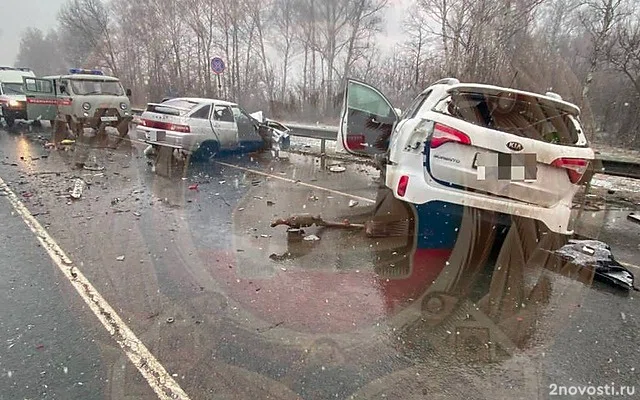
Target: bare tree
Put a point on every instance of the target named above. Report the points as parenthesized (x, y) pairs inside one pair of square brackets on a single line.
[(88, 22)]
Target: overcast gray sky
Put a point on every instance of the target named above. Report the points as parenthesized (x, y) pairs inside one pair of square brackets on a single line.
[(18, 15)]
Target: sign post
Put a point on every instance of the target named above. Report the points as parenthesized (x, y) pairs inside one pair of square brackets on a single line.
[(217, 66)]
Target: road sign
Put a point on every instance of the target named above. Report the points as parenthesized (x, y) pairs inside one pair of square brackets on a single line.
[(217, 65)]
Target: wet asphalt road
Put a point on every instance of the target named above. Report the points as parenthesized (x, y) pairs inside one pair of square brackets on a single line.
[(51, 347), (235, 311)]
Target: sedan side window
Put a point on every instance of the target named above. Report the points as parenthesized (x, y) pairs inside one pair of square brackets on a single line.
[(222, 114), (202, 113)]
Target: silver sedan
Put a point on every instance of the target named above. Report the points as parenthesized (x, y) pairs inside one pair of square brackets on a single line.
[(208, 127)]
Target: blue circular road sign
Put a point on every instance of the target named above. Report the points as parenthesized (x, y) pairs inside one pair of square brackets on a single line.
[(217, 65)]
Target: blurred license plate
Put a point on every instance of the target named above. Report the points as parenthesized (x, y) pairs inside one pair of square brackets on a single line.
[(108, 119), (156, 136)]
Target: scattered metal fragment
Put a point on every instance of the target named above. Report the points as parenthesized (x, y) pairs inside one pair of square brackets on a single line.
[(634, 217), (337, 168), (271, 203), (311, 238), (353, 203), (307, 220), (120, 258), (170, 320), (596, 254), (78, 188)]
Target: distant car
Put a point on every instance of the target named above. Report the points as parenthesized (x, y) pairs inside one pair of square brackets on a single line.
[(481, 146), (206, 127), (13, 101)]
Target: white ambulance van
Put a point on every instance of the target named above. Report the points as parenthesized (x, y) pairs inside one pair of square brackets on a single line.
[(13, 102)]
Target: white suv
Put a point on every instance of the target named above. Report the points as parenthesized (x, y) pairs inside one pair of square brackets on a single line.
[(481, 146)]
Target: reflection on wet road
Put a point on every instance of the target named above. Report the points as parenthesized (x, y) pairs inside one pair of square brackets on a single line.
[(455, 303)]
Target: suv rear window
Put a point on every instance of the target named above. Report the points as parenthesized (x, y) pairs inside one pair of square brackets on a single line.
[(514, 113)]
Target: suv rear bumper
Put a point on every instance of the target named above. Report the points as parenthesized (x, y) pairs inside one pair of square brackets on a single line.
[(422, 188)]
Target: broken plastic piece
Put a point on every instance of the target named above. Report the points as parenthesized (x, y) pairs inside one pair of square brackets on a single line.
[(311, 238), (607, 269), (353, 203), (193, 187), (78, 188), (634, 217), (337, 168)]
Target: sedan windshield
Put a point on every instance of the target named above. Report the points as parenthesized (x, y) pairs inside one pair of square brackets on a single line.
[(12, 88), (84, 87)]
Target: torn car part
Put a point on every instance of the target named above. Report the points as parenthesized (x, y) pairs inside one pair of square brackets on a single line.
[(307, 220), (597, 254)]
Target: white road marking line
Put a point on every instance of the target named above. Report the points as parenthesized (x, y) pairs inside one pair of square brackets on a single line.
[(158, 378), (253, 171)]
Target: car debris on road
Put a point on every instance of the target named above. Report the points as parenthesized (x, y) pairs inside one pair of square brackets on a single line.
[(597, 254), (308, 220), (78, 188), (634, 217)]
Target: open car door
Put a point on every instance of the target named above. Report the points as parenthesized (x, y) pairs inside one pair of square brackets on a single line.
[(367, 120), (42, 103)]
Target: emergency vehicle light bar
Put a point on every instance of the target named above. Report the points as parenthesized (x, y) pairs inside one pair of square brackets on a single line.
[(85, 71)]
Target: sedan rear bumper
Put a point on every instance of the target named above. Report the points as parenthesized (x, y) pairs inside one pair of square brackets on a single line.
[(189, 142)]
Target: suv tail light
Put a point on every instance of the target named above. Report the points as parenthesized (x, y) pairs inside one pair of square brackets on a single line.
[(402, 185), (444, 134), (576, 167)]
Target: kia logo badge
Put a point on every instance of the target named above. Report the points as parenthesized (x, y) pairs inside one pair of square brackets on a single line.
[(515, 146)]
